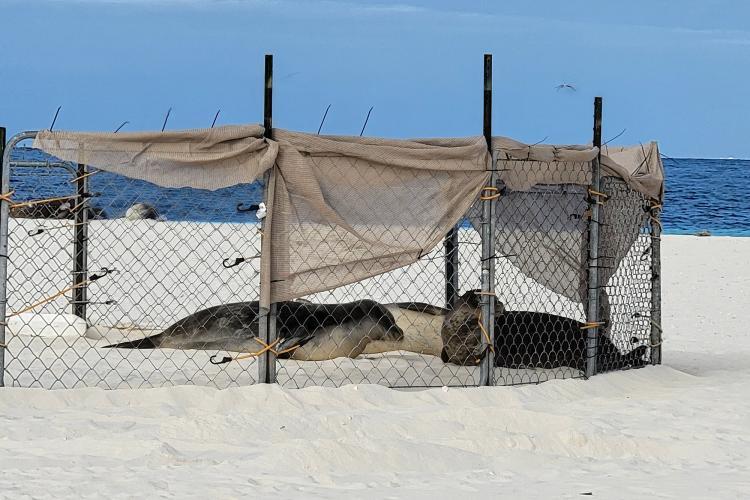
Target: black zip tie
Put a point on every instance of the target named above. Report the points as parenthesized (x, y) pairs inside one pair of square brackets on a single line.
[(105, 271), (224, 360), (367, 118), (600, 287), (615, 137), (237, 262), (495, 256), (324, 119), (165, 119), (106, 302), (603, 224), (55, 118), (251, 208), (498, 169), (646, 253), (121, 125)]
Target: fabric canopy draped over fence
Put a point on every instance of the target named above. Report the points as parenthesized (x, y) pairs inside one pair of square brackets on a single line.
[(342, 209)]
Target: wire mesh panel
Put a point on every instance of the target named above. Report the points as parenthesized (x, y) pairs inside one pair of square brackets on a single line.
[(384, 329), (159, 260), (625, 304), (541, 252), (116, 282), (540, 238)]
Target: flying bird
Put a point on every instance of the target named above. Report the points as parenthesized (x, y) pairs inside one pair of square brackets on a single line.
[(565, 86)]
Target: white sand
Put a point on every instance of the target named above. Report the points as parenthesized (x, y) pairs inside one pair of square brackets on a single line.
[(680, 430)]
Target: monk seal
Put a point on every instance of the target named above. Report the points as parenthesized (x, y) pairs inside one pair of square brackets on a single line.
[(140, 211), (54, 209), (421, 324), (526, 339), (319, 331)]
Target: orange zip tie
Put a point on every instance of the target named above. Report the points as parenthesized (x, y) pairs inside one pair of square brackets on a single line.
[(47, 300), (484, 331), (492, 196), (87, 174), (75, 208), (593, 324), (598, 195), (6, 196), (266, 348), (288, 349)]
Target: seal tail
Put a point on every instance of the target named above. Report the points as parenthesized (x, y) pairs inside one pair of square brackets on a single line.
[(635, 358), (144, 343)]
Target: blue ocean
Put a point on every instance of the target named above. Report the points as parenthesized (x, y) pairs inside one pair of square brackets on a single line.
[(701, 195)]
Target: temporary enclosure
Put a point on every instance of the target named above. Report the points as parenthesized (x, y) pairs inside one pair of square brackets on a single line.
[(148, 258)]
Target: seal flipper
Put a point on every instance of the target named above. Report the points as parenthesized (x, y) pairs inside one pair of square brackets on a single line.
[(299, 337), (144, 343), (422, 307), (635, 358)]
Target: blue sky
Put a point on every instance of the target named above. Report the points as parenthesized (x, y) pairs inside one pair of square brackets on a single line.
[(674, 71)]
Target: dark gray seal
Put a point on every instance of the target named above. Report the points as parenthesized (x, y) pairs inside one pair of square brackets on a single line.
[(460, 333), (527, 339), (57, 209), (321, 331), (140, 211)]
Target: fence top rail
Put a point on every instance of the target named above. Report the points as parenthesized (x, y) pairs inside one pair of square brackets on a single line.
[(17, 139), (12, 143)]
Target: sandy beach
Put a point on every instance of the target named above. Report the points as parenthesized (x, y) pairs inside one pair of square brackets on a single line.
[(680, 430)]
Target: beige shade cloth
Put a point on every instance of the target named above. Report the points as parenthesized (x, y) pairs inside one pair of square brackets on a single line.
[(200, 158), (348, 208), (342, 209), (639, 166), (541, 221)]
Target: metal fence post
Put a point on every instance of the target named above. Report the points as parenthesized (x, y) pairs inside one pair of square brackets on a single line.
[(592, 317), (450, 246), (267, 319), (80, 247), (4, 208), (488, 240), (656, 328)]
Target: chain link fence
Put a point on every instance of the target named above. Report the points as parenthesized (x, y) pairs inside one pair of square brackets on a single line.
[(180, 268), (154, 256)]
